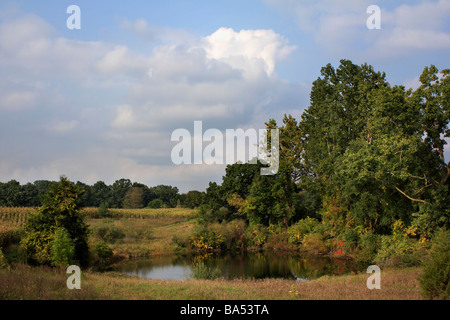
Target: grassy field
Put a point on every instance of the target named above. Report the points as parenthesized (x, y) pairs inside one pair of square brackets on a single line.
[(26, 282), (148, 232)]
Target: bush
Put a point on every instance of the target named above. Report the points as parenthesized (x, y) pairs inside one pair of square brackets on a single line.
[(107, 231), (313, 243), (206, 240), (256, 235), (351, 238), (298, 231), (103, 255), (368, 247), (103, 211), (434, 280)]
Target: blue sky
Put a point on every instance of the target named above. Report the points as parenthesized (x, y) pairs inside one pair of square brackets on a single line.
[(100, 103)]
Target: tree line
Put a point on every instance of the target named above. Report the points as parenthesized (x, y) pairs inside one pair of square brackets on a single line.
[(123, 193)]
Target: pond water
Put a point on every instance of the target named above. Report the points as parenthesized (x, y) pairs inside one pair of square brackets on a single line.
[(247, 265)]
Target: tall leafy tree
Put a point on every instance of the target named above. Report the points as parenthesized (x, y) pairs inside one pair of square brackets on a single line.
[(59, 215)]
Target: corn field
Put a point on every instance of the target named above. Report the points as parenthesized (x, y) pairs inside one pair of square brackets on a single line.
[(14, 216), (145, 213)]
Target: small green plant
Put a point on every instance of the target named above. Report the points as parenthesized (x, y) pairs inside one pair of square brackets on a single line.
[(435, 278), (201, 271)]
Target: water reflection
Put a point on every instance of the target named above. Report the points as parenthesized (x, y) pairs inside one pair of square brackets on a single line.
[(249, 265)]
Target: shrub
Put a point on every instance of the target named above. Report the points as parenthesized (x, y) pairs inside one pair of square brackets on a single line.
[(313, 243), (351, 238), (206, 240), (256, 235), (107, 231), (103, 211), (399, 251), (298, 230), (279, 241), (368, 247), (434, 280), (103, 254)]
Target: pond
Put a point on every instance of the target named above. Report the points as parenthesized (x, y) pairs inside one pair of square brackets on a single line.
[(250, 265)]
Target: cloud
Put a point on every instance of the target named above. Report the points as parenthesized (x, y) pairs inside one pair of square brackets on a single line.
[(247, 50), (65, 126), (339, 27)]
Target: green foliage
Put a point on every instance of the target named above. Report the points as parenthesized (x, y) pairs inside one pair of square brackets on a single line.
[(103, 253), (103, 211), (60, 209), (369, 245), (398, 252), (192, 199), (435, 280), (107, 231), (206, 239), (133, 198), (314, 243), (63, 248), (301, 228), (351, 239), (155, 204)]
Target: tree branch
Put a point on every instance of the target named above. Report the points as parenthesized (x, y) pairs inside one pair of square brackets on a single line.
[(412, 199)]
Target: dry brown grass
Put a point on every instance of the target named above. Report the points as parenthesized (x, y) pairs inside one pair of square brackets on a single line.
[(398, 284)]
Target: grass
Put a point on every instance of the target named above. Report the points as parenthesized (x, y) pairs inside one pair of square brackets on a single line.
[(25, 282)]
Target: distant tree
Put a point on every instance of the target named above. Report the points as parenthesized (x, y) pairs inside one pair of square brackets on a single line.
[(30, 196), (118, 191), (155, 204), (168, 194), (60, 210), (134, 198), (193, 198), (101, 194), (11, 194)]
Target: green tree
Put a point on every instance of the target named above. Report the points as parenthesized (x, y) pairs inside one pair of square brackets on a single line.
[(168, 194), (377, 148), (134, 198), (60, 209), (193, 198), (118, 191)]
